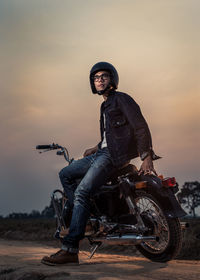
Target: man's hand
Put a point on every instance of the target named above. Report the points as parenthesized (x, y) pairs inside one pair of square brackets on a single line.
[(147, 167), (90, 151)]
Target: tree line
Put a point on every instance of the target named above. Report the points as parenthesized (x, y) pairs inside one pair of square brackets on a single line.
[(47, 212), (188, 196)]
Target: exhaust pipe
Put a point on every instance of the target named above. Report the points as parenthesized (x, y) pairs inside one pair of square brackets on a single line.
[(125, 239)]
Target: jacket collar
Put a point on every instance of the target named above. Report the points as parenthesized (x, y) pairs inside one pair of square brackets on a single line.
[(109, 99)]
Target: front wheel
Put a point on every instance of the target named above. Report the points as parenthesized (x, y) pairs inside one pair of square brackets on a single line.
[(168, 230)]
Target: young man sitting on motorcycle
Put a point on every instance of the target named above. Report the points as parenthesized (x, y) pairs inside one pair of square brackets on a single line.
[(124, 135)]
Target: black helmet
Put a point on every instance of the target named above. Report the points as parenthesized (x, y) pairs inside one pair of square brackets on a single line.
[(104, 66)]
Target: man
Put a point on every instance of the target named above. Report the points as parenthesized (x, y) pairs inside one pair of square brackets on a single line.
[(124, 136)]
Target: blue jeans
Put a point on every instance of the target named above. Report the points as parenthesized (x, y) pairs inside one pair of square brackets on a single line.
[(94, 171)]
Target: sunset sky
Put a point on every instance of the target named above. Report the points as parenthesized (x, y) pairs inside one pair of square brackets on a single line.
[(47, 49)]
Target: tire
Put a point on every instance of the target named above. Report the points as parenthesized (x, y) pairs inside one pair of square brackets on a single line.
[(168, 230)]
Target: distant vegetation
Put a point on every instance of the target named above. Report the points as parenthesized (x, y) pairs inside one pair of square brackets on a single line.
[(189, 197), (48, 212)]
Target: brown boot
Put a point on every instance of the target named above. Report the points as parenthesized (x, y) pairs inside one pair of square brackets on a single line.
[(61, 257)]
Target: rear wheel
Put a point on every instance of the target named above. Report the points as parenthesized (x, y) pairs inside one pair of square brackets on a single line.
[(168, 230)]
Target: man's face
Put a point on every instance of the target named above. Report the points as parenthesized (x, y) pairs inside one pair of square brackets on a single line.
[(101, 80)]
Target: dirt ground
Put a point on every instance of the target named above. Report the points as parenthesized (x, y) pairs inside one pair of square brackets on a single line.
[(21, 261)]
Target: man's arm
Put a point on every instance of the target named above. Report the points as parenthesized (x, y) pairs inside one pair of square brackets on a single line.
[(133, 114), (90, 151), (141, 131)]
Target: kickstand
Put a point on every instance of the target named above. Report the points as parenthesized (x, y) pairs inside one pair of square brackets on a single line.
[(96, 244)]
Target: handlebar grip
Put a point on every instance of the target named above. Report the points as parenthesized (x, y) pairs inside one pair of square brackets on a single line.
[(41, 147)]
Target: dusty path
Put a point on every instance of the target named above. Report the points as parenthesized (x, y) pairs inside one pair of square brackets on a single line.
[(21, 261)]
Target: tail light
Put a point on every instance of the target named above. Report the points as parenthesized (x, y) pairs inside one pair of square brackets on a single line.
[(169, 182)]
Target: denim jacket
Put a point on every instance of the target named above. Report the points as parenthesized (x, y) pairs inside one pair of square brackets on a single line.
[(127, 133)]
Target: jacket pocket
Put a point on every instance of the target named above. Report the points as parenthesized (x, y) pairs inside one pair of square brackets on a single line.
[(120, 127), (119, 123)]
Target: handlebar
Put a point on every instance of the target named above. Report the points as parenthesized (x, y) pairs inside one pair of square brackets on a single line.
[(63, 151), (49, 147), (42, 147)]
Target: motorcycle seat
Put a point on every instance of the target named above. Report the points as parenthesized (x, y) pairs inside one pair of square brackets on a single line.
[(112, 183), (128, 169)]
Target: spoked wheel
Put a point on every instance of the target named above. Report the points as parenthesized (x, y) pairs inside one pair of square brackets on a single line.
[(167, 230)]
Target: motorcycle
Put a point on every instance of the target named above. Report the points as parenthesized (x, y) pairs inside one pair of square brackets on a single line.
[(132, 209)]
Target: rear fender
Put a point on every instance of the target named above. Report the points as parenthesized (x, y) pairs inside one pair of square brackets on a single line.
[(165, 196)]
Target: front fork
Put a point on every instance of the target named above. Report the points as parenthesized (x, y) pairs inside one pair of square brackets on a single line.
[(58, 204)]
